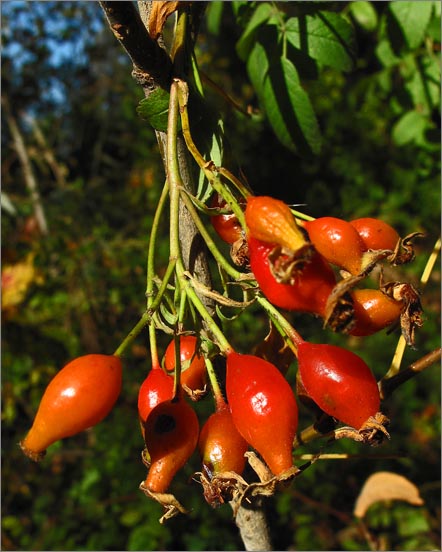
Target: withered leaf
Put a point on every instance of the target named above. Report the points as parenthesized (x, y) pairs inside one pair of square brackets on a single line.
[(384, 486), (158, 16)]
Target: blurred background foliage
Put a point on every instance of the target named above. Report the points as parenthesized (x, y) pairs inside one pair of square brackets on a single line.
[(75, 283)]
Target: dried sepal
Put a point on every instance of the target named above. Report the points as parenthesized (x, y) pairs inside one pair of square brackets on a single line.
[(373, 432), (195, 394), (231, 487), (286, 265), (170, 504), (412, 312), (404, 252), (239, 252), (339, 312)]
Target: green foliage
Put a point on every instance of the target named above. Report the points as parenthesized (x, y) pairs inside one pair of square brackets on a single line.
[(349, 95), (154, 109)]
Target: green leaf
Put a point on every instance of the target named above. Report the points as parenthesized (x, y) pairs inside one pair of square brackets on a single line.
[(413, 19), (364, 14), (326, 37), (257, 65), (288, 108), (385, 53), (155, 108), (259, 17), (409, 128), (423, 85), (213, 17)]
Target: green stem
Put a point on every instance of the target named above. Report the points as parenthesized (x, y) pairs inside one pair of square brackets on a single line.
[(220, 338), (150, 272), (217, 393), (206, 167), (175, 183), (133, 334), (281, 322), (242, 188), (235, 274)]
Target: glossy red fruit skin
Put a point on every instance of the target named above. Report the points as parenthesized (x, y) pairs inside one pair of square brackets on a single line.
[(339, 382), (373, 311), (156, 388), (338, 241), (220, 444), (193, 366), (312, 286), (79, 396), (226, 226), (263, 408), (375, 233), (171, 436)]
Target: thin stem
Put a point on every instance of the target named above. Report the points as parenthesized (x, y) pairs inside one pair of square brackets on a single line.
[(175, 182), (217, 393), (281, 322), (133, 334), (387, 386), (235, 274), (241, 187), (205, 166), (220, 338), (150, 272)]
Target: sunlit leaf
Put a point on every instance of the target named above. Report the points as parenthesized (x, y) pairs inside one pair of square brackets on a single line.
[(259, 17), (364, 14), (409, 128), (287, 105), (326, 37), (413, 19)]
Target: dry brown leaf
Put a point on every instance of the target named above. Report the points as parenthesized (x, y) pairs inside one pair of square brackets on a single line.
[(157, 19), (382, 486)]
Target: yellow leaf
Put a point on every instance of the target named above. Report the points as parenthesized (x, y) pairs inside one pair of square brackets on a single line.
[(384, 486)]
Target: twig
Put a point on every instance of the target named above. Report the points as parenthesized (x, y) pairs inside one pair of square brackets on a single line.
[(387, 386), (28, 173)]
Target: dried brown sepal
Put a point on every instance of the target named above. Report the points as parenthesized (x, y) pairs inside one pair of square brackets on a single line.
[(339, 312), (285, 265), (195, 394), (239, 252), (372, 257), (221, 488), (412, 312), (373, 432), (274, 348), (170, 504), (35, 456), (231, 487), (404, 251)]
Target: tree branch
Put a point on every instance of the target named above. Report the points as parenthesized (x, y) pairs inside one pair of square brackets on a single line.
[(152, 66)]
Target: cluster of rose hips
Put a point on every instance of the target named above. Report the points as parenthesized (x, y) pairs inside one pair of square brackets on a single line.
[(295, 264)]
